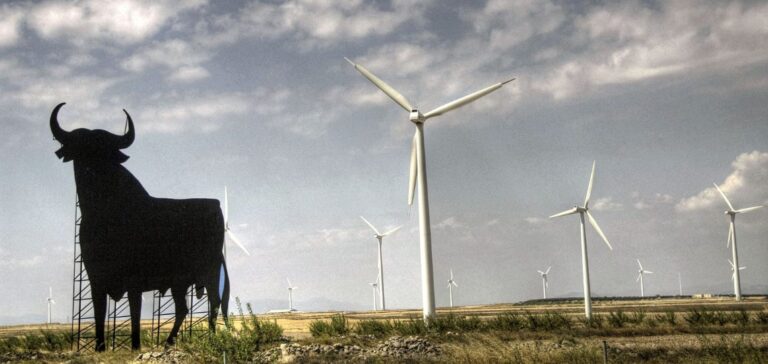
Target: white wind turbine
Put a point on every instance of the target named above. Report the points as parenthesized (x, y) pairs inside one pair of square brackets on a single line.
[(51, 302), (584, 210), (418, 172), (290, 295), (451, 283), (732, 238), (680, 284), (374, 286), (733, 270), (545, 280), (228, 236), (379, 237), (640, 273)]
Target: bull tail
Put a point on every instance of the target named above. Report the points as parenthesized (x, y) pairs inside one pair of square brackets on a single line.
[(224, 291)]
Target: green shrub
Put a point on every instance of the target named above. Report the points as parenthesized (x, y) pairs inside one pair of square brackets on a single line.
[(668, 317), (377, 328), (761, 318), (618, 319), (547, 321), (239, 344), (637, 317), (596, 322), (506, 322), (740, 317), (337, 326), (410, 327)]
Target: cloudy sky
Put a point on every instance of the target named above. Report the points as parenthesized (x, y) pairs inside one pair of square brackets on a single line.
[(668, 97)]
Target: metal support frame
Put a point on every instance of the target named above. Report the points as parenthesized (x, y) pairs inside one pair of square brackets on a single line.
[(83, 326), (163, 316)]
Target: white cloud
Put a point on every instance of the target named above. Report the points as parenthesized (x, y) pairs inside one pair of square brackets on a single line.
[(314, 23), (745, 186), (181, 57), (10, 24), (510, 23), (630, 41), (121, 21), (450, 222), (535, 220), (606, 204)]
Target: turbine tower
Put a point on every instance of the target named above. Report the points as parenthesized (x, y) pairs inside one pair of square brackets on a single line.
[(374, 286), (51, 302), (732, 212), (640, 273), (584, 210), (451, 283), (544, 280), (290, 295), (379, 238), (680, 284), (733, 270), (418, 172)]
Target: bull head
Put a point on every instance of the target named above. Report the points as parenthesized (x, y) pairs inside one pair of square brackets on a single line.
[(91, 145)]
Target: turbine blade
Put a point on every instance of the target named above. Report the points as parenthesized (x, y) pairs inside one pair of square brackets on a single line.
[(465, 100), (748, 209), (731, 263), (455, 284), (540, 272), (290, 286), (371, 225), (237, 242), (392, 231), (724, 198), (413, 173), (548, 268), (599, 231), (589, 188), (742, 268), (383, 86), (647, 271), (226, 207), (451, 273), (566, 212), (638, 263), (638, 278)]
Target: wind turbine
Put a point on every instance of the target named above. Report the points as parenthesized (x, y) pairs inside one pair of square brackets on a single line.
[(732, 238), (584, 210), (51, 302), (733, 270), (544, 281), (374, 286), (228, 236), (418, 172), (640, 273), (680, 283), (379, 238), (290, 295), (451, 283)]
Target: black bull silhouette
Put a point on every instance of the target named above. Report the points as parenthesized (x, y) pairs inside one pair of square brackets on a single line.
[(133, 242)]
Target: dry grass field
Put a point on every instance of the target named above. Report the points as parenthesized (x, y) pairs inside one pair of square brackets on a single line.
[(654, 330)]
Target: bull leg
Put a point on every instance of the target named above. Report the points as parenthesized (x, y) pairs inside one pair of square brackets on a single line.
[(134, 304), (180, 302), (99, 298)]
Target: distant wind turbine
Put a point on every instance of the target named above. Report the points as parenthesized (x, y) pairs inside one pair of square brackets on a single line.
[(418, 172), (451, 283), (584, 210), (680, 283), (544, 280), (51, 302), (733, 270), (732, 212), (375, 286), (379, 237), (640, 273), (290, 294)]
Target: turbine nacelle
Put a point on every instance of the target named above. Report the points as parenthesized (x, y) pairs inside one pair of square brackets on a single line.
[(416, 117)]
